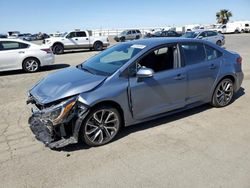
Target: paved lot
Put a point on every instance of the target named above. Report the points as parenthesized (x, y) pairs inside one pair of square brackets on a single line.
[(203, 147)]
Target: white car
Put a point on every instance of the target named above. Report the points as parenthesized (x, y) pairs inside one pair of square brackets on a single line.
[(78, 39), (19, 54), (211, 36)]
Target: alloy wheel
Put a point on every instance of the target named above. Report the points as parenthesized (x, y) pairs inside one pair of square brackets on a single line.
[(224, 92), (31, 65), (102, 126)]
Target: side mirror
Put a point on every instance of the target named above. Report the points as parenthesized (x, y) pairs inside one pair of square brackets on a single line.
[(200, 37), (144, 72)]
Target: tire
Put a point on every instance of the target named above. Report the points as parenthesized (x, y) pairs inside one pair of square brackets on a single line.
[(100, 126), (223, 93), (31, 65), (219, 43), (137, 37), (98, 46), (122, 39), (58, 49)]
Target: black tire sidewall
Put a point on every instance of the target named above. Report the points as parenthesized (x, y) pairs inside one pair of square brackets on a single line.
[(82, 134), (56, 46), (98, 46)]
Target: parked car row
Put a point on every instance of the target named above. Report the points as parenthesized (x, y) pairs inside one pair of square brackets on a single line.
[(208, 35)]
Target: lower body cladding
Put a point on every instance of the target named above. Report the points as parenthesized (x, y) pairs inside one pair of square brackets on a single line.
[(57, 134)]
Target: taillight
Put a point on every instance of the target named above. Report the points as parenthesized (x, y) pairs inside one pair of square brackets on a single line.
[(239, 60), (47, 50)]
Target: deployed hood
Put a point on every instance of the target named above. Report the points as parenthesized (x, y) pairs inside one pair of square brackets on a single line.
[(65, 83)]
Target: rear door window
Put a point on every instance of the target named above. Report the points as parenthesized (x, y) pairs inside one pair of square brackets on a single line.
[(211, 33), (212, 53), (193, 53), (81, 34)]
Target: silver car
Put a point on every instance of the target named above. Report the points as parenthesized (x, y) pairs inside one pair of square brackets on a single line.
[(211, 36), (130, 83)]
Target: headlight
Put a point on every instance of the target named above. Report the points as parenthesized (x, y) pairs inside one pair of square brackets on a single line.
[(57, 113)]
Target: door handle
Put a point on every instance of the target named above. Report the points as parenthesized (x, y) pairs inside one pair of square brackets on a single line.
[(76, 39), (179, 77), (212, 66), (87, 38), (21, 52)]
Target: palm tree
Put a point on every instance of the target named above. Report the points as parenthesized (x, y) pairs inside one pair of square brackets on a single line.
[(223, 16)]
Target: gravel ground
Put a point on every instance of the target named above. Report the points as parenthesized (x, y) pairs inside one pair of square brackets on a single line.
[(202, 147)]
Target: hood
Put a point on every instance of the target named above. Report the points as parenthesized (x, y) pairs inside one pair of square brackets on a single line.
[(65, 83)]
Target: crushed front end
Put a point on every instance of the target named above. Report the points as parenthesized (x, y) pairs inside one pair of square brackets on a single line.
[(57, 124)]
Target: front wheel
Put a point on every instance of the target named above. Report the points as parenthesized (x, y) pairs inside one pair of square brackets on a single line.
[(223, 93), (101, 126)]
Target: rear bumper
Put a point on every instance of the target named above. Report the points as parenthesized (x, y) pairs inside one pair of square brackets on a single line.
[(48, 59), (239, 80)]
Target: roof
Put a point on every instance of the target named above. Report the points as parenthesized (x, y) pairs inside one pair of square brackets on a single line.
[(162, 40)]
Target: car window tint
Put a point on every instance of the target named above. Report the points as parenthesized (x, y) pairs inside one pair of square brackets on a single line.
[(71, 35), (212, 53), (211, 33), (129, 32), (81, 34), (164, 58), (193, 53), (133, 32), (203, 34), (138, 31), (11, 45)]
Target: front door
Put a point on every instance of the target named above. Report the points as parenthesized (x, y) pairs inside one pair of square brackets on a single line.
[(165, 90)]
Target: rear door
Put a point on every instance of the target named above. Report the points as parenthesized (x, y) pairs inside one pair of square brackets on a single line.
[(82, 39), (202, 63), (163, 92), (212, 36), (11, 54)]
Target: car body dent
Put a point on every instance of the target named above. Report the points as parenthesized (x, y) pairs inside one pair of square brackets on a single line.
[(65, 83)]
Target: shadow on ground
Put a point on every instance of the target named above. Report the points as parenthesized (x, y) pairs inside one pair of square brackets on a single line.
[(43, 69), (153, 123)]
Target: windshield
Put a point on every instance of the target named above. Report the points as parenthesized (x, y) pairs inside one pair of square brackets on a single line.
[(158, 33), (63, 34), (190, 34), (123, 33), (110, 60)]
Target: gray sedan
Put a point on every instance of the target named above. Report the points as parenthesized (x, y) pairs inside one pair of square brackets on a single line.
[(130, 83)]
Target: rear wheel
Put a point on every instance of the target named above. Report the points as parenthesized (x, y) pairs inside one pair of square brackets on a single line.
[(101, 126), (31, 65), (223, 93), (58, 49), (98, 46), (218, 43), (122, 39)]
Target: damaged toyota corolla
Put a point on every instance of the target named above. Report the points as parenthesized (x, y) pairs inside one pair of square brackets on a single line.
[(131, 83)]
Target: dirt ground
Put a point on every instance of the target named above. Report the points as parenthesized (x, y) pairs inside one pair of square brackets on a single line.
[(202, 147)]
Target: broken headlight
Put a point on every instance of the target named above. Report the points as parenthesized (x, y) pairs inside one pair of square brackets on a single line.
[(57, 113)]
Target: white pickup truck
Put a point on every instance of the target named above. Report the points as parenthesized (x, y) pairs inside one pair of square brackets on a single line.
[(78, 39)]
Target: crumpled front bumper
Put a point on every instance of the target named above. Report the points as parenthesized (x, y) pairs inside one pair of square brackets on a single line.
[(46, 134)]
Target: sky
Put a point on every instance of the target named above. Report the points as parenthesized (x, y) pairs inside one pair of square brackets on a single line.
[(62, 15)]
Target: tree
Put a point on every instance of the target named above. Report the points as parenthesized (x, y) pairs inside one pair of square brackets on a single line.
[(223, 16)]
